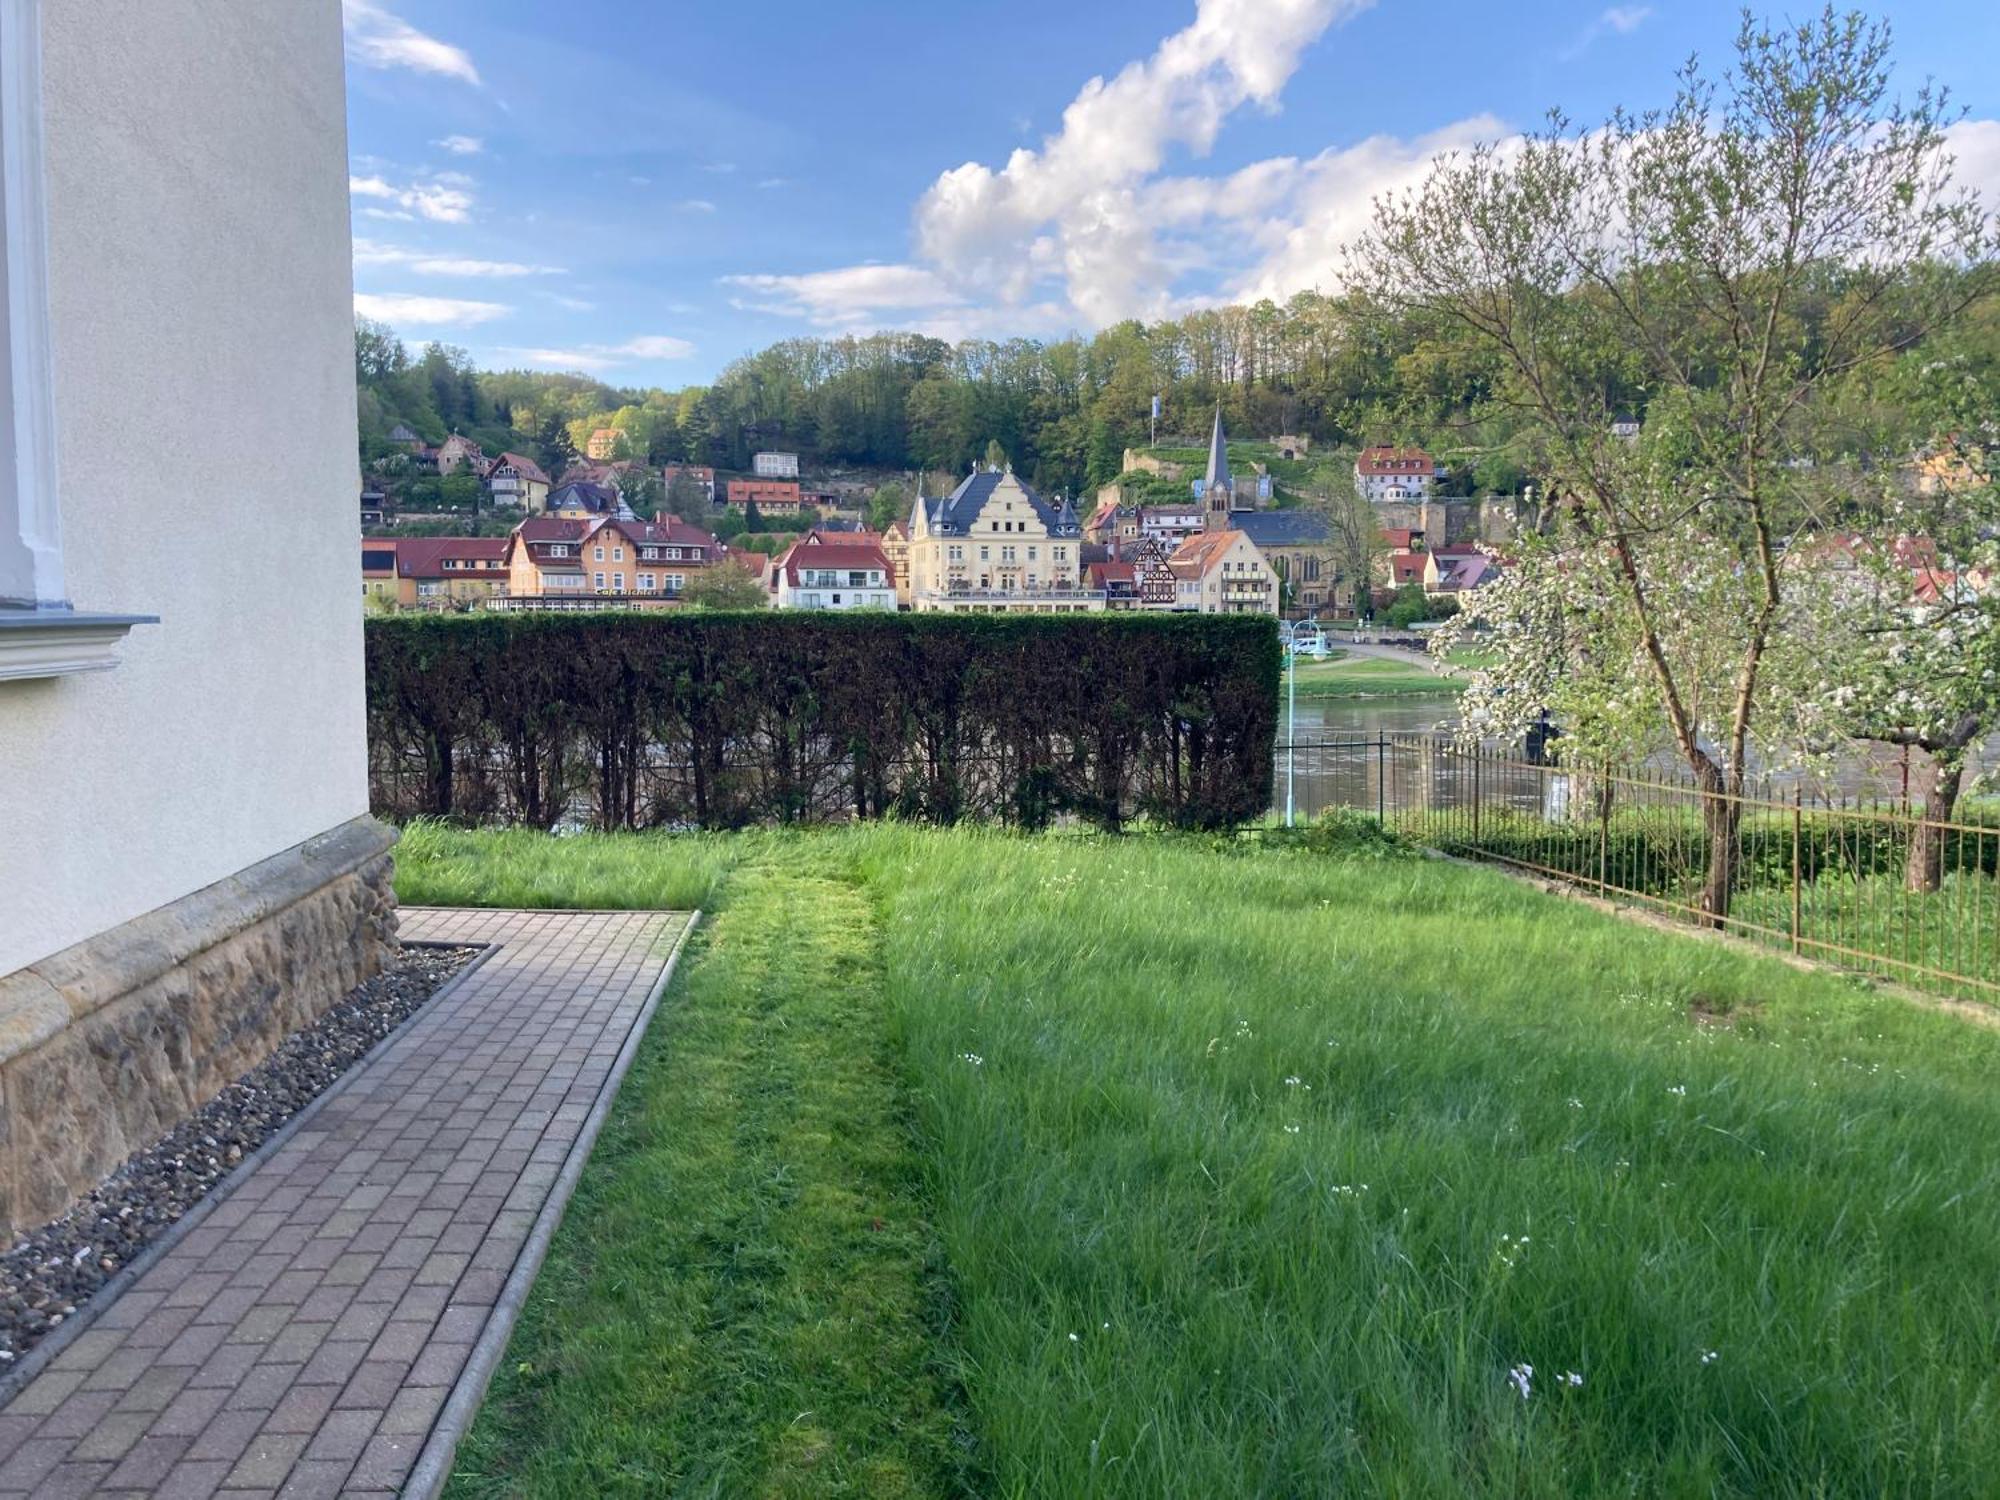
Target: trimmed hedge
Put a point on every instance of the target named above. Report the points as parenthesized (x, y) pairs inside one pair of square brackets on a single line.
[(718, 720)]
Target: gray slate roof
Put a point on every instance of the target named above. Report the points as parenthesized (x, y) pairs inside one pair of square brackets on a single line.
[(1218, 455), (1283, 528), (955, 513)]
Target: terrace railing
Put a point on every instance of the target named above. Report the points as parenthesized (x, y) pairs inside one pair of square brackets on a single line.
[(1867, 884)]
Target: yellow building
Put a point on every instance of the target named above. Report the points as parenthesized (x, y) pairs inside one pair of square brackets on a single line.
[(553, 562), (433, 572), (994, 546)]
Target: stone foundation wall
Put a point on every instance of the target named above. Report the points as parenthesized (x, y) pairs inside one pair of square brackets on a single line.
[(110, 1043)]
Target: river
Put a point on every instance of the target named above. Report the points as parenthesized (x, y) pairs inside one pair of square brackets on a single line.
[(1336, 763)]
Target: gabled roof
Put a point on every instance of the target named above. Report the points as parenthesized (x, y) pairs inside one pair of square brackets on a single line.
[(597, 499), (1103, 574), (834, 555), (1407, 567), (848, 533), (671, 530), (1401, 538), (1104, 515), (521, 464), (1203, 552), (955, 514), (402, 434)]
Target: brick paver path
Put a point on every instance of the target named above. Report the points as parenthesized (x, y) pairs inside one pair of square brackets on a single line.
[(304, 1337)]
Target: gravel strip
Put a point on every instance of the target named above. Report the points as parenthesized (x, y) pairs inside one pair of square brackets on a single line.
[(53, 1270)]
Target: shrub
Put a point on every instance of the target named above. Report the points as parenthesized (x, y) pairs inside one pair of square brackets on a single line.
[(720, 720)]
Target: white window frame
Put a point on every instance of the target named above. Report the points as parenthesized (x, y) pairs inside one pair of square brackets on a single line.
[(31, 568)]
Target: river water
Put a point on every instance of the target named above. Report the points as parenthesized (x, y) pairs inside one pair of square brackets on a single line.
[(1336, 762)]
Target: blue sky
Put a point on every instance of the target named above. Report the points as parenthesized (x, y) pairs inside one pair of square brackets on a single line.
[(646, 192)]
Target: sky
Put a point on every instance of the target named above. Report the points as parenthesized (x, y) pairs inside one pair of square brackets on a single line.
[(645, 192)]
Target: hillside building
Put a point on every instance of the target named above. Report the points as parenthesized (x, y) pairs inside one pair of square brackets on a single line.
[(994, 546)]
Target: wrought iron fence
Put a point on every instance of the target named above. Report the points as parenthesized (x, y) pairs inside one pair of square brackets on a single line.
[(1869, 884)]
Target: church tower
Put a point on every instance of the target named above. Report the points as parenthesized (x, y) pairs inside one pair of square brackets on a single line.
[(1218, 493)]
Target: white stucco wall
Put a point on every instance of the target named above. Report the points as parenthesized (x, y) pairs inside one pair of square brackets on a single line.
[(202, 330)]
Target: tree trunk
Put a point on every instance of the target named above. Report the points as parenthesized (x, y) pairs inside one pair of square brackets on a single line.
[(1721, 820), (1940, 780)]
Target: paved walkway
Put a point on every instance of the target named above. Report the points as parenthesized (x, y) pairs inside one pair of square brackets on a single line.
[(304, 1337)]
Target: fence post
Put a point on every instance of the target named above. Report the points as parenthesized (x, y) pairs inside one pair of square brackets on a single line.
[(1381, 777), (1477, 757), (1797, 883)]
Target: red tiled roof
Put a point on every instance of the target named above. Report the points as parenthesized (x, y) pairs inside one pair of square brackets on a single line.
[(1102, 573), (1406, 567), (1394, 461), (835, 555), (1401, 538), (425, 556), (1199, 554)]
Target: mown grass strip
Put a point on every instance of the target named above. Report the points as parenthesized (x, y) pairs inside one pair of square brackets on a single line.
[(743, 1297)]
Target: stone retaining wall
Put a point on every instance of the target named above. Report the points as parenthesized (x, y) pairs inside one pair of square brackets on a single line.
[(107, 1044)]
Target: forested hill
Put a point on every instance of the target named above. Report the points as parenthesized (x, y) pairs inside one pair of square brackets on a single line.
[(1331, 368)]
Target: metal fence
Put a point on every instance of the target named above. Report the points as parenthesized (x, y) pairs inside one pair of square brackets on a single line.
[(1867, 884)]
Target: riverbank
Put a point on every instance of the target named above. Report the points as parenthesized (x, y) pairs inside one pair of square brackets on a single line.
[(1349, 674)]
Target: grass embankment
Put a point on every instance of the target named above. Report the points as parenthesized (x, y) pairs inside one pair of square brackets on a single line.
[(1349, 676), (1258, 1172)]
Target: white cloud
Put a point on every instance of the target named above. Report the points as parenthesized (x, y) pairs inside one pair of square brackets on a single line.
[(374, 253), (571, 304), (696, 206), (774, 182), (1619, 20), (592, 358), (369, 252), (1105, 220), (851, 295), (421, 311), (377, 39), (445, 199), (1073, 210), (461, 145)]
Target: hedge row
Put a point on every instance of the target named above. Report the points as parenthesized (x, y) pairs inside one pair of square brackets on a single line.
[(721, 720)]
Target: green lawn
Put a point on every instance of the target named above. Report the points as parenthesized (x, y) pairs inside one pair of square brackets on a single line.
[(1349, 676), (965, 1163)]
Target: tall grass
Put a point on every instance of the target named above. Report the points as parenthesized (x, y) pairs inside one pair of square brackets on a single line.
[(1258, 1172), (1270, 1171), (438, 864)]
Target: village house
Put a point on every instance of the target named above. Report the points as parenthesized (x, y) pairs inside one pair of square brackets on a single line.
[(1172, 523), (374, 507), (896, 547), (604, 443), (405, 439), (1223, 573), (775, 465), (700, 475), (556, 562), (457, 452), (836, 572), (579, 500), (772, 497), (1455, 569), (440, 572), (378, 568), (992, 546), (1401, 569), (1119, 580), (1384, 474), (516, 480)]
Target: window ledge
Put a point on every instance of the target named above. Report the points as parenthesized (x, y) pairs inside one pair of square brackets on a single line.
[(60, 642)]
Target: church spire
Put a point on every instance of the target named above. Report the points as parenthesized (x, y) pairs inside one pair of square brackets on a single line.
[(1218, 454)]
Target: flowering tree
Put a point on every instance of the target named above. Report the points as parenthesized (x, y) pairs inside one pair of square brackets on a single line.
[(1721, 263), (1896, 629)]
